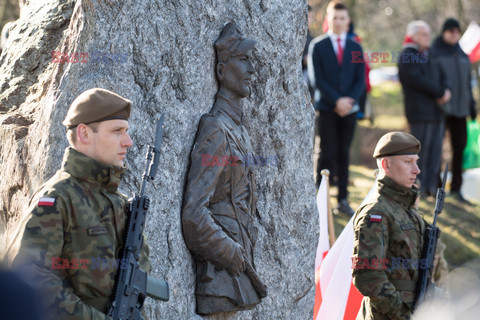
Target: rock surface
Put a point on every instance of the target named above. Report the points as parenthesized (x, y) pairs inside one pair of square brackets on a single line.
[(160, 55)]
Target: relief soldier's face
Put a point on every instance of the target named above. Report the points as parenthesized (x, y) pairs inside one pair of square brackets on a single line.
[(110, 143), (235, 75)]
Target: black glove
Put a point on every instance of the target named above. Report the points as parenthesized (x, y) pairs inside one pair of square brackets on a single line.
[(473, 111)]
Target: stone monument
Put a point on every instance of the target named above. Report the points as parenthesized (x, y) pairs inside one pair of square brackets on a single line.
[(160, 54)]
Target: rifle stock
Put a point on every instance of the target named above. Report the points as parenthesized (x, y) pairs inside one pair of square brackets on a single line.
[(157, 289)]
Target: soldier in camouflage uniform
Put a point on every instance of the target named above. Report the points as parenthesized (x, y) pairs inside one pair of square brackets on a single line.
[(389, 233), (70, 241)]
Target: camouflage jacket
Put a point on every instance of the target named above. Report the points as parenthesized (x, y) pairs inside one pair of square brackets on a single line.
[(220, 195), (387, 250), (70, 241)]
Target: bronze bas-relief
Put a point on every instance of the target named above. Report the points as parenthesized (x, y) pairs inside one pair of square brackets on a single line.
[(220, 203)]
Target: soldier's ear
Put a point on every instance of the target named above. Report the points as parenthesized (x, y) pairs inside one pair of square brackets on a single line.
[(385, 163), (220, 71), (83, 134)]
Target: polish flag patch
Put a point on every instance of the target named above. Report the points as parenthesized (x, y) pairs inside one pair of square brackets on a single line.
[(46, 202), (375, 218)]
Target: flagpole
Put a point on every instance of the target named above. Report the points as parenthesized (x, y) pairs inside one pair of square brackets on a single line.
[(331, 231)]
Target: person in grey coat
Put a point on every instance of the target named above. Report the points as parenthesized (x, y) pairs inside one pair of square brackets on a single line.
[(455, 71)]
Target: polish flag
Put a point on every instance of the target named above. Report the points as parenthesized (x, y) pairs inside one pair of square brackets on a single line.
[(470, 42), (340, 299), (46, 202), (336, 297)]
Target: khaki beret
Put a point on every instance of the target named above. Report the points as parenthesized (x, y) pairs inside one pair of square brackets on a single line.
[(395, 144), (97, 105), (232, 43)]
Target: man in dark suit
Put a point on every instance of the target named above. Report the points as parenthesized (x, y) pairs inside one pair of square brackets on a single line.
[(337, 72)]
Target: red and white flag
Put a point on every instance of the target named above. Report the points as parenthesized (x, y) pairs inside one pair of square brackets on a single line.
[(470, 42), (323, 244), (336, 297), (46, 202), (340, 298)]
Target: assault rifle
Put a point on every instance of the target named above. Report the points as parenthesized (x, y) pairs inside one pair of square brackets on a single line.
[(425, 287), (132, 285)]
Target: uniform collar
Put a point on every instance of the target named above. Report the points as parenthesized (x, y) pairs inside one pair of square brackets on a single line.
[(232, 110), (85, 168), (402, 195)]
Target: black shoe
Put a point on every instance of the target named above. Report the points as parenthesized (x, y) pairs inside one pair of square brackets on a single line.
[(459, 197), (344, 207)]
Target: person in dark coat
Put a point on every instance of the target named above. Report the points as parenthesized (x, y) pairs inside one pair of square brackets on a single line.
[(339, 83), (422, 92), (455, 71)]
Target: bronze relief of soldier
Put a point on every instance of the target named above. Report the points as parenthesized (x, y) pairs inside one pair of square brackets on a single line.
[(219, 202)]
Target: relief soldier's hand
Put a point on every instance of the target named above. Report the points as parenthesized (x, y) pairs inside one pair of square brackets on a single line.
[(237, 262)]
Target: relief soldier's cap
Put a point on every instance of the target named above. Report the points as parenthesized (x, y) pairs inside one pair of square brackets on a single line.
[(232, 43), (95, 105), (395, 144)]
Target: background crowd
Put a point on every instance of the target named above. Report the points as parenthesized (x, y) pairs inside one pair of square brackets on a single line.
[(436, 81)]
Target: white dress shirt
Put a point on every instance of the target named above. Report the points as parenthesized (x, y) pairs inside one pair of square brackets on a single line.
[(334, 37)]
